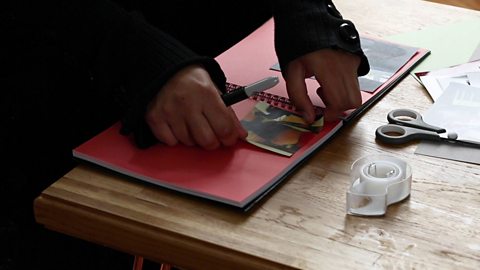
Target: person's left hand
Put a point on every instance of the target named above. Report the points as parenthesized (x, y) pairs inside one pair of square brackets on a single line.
[(188, 109), (335, 71)]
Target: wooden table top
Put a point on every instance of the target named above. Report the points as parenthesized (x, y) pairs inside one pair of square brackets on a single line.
[(302, 223)]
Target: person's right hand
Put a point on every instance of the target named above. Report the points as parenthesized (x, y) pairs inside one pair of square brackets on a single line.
[(188, 109), (335, 71)]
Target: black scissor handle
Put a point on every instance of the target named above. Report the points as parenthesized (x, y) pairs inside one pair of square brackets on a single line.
[(411, 118), (396, 134)]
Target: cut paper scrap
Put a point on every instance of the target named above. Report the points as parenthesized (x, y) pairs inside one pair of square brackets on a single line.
[(277, 130)]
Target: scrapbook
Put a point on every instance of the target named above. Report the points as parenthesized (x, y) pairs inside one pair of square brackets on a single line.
[(241, 175)]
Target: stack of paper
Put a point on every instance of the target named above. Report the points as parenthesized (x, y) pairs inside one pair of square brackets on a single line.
[(437, 81), (456, 95)]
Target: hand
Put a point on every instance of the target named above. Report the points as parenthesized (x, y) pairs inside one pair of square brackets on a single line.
[(189, 109), (335, 71)]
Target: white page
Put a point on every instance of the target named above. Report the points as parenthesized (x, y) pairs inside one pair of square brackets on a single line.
[(449, 151), (445, 81), (474, 78), (432, 85), (457, 110), (437, 81)]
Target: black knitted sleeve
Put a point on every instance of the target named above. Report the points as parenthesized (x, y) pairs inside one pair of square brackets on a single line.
[(127, 57), (304, 26)]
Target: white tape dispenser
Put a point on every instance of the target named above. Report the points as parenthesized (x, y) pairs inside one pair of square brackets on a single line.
[(377, 181)]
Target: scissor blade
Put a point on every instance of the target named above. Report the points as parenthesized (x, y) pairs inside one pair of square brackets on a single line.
[(468, 143)]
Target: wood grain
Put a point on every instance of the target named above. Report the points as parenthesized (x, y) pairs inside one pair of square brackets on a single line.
[(302, 224), (472, 4)]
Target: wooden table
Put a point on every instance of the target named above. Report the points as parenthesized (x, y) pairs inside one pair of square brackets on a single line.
[(302, 224)]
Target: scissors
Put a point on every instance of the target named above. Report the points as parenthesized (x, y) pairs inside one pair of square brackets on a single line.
[(408, 125)]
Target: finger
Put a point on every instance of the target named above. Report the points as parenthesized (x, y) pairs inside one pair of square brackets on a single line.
[(349, 89), (334, 94), (163, 133), (222, 121), (180, 131), (355, 96), (346, 95), (202, 132), (297, 90), (242, 133), (331, 90), (330, 113)]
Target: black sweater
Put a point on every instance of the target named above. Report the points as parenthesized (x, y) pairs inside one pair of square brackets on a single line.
[(69, 69), (129, 59)]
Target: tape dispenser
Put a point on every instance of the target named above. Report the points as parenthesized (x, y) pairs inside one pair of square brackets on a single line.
[(376, 182)]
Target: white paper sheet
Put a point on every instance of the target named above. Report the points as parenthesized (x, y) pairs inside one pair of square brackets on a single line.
[(457, 110), (474, 78), (437, 81)]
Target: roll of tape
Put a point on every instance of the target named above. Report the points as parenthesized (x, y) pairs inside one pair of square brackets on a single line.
[(376, 182)]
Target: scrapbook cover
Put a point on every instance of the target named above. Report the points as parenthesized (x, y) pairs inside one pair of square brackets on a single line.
[(241, 175)]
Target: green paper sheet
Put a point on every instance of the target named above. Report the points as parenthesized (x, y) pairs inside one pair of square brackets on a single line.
[(450, 44)]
